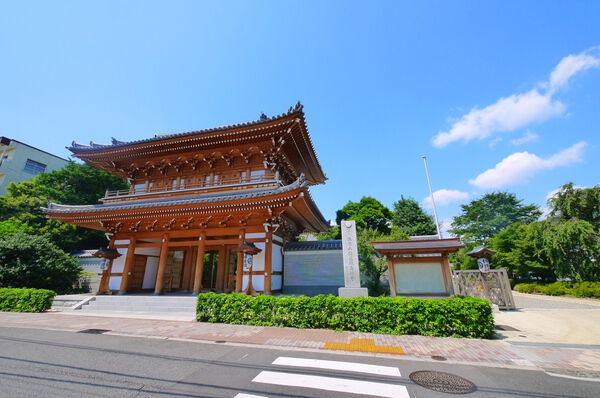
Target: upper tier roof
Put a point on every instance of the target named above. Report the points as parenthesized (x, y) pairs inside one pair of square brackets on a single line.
[(291, 126)]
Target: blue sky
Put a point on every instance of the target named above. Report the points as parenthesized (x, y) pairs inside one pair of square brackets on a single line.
[(500, 95)]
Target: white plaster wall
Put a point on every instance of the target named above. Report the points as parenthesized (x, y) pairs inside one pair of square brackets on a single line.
[(255, 235), (276, 281), (258, 282), (122, 242), (114, 283), (119, 262), (258, 262), (277, 259), (151, 271), (278, 238)]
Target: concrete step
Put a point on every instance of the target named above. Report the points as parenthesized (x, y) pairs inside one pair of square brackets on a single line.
[(145, 299), (136, 308), (63, 302)]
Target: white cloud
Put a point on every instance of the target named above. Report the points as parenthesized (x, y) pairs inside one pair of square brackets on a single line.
[(519, 110), (519, 167), (569, 66), (445, 196), (528, 137)]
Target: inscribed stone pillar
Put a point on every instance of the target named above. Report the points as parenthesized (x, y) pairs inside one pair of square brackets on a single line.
[(350, 257)]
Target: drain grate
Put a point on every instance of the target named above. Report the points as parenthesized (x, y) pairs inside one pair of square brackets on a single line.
[(94, 331), (438, 357), (220, 341), (442, 382)]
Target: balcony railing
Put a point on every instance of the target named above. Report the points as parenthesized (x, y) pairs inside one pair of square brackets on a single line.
[(224, 184)]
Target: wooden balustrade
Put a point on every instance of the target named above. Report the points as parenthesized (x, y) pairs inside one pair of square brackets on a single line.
[(231, 182)]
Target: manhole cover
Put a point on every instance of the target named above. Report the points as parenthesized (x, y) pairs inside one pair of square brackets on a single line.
[(442, 382), (438, 357), (94, 331)]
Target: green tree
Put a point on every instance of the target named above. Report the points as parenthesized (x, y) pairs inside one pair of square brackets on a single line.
[(572, 247), (74, 184), (373, 266), (369, 213), (518, 251), (410, 217), (33, 261), (483, 218), (571, 203)]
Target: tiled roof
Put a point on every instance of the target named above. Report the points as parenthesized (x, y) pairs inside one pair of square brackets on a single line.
[(76, 147), (197, 199), (335, 244), (452, 243)]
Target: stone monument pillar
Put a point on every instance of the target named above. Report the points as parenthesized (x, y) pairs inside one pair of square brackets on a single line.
[(351, 272)]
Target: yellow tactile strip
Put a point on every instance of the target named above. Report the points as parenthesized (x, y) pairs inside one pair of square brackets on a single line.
[(364, 345)]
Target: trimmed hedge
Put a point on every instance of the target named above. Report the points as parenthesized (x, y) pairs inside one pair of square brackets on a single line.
[(25, 300), (562, 288), (455, 316)]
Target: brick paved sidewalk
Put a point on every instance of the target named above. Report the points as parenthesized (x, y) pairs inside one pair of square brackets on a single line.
[(465, 351)]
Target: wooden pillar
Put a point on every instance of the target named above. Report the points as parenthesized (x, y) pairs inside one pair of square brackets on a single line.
[(221, 269), (239, 273), (104, 280), (187, 267), (199, 263), (162, 264), (268, 260), (447, 273), (127, 268), (392, 277)]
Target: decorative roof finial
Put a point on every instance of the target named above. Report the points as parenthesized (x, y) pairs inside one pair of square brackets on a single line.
[(263, 117)]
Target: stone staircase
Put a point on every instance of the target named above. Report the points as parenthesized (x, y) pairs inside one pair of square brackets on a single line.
[(140, 305)]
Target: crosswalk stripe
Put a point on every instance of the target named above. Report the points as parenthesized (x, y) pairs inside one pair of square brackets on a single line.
[(249, 396), (333, 384), (338, 365)]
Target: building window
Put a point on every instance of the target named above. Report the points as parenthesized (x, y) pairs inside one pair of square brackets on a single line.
[(33, 167)]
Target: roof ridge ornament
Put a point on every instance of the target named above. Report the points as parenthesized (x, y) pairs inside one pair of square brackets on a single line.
[(114, 141), (263, 117)]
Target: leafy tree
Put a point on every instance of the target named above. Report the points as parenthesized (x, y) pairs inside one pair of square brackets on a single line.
[(485, 217), (410, 217), (369, 213), (571, 203), (33, 261), (74, 184), (572, 247), (372, 266), (518, 251)]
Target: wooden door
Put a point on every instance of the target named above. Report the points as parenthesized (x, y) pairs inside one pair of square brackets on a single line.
[(136, 279)]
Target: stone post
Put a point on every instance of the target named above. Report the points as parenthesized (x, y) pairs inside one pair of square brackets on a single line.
[(350, 257)]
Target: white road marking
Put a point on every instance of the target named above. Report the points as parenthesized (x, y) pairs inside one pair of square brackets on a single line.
[(338, 365), (333, 384), (249, 396)]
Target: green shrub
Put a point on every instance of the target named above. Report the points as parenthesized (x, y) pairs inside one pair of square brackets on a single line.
[(456, 316), (525, 287), (585, 289), (25, 300), (562, 288), (30, 261)]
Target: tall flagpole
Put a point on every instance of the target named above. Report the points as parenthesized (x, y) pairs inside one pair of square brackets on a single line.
[(437, 224)]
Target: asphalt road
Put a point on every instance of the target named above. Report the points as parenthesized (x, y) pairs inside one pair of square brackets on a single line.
[(38, 363)]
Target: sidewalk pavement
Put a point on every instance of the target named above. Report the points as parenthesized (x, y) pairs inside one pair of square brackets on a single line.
[(570, 360)]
